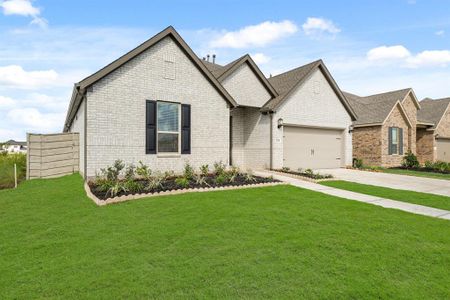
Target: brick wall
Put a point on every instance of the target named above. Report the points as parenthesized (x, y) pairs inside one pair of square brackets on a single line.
[(78, 127), (367, 145), (116, 111), (411, 111), (245, 88), (425, 145), (395, 119), (313, 104), (443, 129)]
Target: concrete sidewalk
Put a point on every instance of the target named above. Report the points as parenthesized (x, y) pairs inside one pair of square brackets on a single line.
[(393, 181), (408, 207)]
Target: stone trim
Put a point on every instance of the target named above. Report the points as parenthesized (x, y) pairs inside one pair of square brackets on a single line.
[(99, 202)]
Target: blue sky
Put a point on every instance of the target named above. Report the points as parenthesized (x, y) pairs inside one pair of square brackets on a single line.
[(369, 46)]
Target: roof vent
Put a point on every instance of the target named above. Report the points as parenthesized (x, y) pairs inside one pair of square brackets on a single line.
[(207, 57), (214, 58)]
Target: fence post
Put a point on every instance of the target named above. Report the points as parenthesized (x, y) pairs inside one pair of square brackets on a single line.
[(15, 176)]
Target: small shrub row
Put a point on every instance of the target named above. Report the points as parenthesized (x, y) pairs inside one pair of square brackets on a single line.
[(305, 173), (119, 179)]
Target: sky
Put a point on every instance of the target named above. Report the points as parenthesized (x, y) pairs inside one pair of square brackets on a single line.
[(369, 46)]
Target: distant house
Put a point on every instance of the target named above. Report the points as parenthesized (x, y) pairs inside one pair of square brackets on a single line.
[(13, 146), (163, 105), (433, 142), (392, 123)]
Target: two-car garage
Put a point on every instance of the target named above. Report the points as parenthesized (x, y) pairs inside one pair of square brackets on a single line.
[(315, 148)]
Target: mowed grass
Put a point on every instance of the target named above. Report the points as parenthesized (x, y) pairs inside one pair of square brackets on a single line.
[(418, 173), (273, 242), (430, 200)]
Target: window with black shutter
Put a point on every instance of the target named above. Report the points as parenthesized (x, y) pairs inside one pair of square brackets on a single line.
[(185, 129), (150, 127)]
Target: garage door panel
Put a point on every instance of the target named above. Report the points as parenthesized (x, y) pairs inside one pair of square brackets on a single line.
[(312, 148), (443, 149)]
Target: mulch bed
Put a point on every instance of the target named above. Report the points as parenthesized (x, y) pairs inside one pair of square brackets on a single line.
[(170, 185)]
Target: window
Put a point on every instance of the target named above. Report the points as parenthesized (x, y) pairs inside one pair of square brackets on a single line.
[(395, 140), (168, 127)]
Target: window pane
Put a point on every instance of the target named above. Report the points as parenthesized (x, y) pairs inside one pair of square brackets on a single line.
[(167, 142), (394, 135), (167, 116)]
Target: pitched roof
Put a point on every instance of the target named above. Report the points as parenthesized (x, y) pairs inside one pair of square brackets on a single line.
[(374, 109), (286, 83), (13, 142), (222, 72), (432, 111), (80, 87)]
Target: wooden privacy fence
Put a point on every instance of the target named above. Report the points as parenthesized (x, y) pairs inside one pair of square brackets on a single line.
[(52, 155)]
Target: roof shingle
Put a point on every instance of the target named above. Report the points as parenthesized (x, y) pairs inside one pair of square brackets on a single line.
[(432, 110)]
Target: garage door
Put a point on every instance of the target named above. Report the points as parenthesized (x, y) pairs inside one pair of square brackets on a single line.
[(312, 148), (443, 149)]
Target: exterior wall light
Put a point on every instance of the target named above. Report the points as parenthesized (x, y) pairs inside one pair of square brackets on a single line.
[(280, 122), (350, 129)]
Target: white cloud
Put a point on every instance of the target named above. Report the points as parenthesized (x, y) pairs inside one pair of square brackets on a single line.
[(318, 26), (427, 58), (24, 8), (16, 76), (6, 103), (388, 53), (255, 35), (440, 33), (260, 58), (33, 119), (430, 58)]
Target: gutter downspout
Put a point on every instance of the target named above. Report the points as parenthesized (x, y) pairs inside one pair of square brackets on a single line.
[(271, 141)]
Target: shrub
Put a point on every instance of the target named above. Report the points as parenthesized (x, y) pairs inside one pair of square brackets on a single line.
[(285, 169), (410, 160), (204, 170), (143, 171), (182, 182), (155, 182), (219, 168), (133, 186), (188, 171), (220, 179), (112, 173), (249, 177), (130, 172), (200, 179), (232, 174), (429, 164), (358, 163), (309, 172)]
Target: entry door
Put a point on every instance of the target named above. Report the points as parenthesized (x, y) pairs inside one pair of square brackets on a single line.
[(312, 148), (443, 149)]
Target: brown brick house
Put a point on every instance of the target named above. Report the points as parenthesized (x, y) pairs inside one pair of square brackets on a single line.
[(386, 126), (433, 130)]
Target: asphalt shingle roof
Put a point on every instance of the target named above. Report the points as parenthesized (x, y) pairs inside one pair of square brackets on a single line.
[(374, 108), (432, 110)]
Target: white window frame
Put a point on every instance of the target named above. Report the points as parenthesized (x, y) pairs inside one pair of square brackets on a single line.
[(170, 132)]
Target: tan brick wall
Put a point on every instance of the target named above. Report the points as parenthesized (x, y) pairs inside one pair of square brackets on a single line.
[(411, 111), (395, 119), (367, 145), (443, 129), (425, 145)]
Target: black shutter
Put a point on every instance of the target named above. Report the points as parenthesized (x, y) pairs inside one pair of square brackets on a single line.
[(150, 127), (390, 140), (185, 129), (400, 141)]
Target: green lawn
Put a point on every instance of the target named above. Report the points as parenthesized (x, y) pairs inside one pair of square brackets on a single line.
[(418, 173), (273, 242), (431, 200)]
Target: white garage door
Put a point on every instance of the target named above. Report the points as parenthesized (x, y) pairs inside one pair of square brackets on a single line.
[(443, 149), (312, 148)]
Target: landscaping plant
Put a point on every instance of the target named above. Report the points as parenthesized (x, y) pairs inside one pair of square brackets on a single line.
[(410, 160), (7, 162)]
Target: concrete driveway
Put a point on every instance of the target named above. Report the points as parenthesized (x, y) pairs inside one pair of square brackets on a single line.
[(401, 182)]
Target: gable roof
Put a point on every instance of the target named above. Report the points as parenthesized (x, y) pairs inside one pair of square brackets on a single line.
[(375, 109), (80, 87), (15, 143), (223, 72), (286, 83), (433, 110)]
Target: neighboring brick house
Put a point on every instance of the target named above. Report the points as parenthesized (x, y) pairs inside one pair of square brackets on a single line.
[(433, 136), (386, 127), (162, 105)]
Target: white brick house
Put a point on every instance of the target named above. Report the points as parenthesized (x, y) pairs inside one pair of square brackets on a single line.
[(162, 105)]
